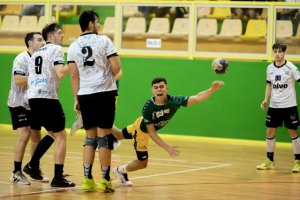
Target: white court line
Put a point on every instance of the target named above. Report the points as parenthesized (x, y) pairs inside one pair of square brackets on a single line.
[(215, 163), (194, 168), (43, 191), (185, 166), (114, 156), (133, 178), (76, 153), (6, 148), (183, 171), (150, 161)]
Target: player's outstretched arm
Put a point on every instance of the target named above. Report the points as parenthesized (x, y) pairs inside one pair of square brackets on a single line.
[(173, 151), (203, 95)]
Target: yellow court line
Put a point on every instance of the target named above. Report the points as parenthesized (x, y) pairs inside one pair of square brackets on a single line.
[(229, 141)]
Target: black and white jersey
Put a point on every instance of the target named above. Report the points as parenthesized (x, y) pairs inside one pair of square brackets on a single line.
[(17, 95), (90, 52), (282, 79), (43, 81)]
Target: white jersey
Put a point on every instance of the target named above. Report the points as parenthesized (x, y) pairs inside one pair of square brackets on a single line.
[(282, 79), (90, 52), (43, 81), (17, 95)]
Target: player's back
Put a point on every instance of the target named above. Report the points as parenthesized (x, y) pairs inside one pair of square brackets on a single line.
[(90, 52), (43, 81)]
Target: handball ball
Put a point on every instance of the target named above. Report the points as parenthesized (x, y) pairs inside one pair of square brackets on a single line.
[(219, 65)]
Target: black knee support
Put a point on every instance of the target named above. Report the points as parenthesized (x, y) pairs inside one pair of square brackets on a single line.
[(142, 155), (91, 142), (106, 142)]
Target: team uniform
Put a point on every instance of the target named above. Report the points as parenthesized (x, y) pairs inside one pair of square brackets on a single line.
[(43, 86), (98, 90), (47, 111), (159, 115), (17, 99), (283, 103)]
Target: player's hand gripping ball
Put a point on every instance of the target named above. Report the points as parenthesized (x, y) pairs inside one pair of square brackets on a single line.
[(219, 65)]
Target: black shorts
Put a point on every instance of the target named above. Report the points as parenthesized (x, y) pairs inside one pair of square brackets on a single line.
[(20, 117), (47, 113), (98, 109), (276, 117)]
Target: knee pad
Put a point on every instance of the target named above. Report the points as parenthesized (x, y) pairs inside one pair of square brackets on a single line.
[(142, 155), (106, 142), (91, 142), (125, 133)]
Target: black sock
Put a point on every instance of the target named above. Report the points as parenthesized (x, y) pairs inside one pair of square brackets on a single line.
[(297, 156), (58, 170), (18, 166), (41, 149), (105, 172), (270, 155), (88, 170)]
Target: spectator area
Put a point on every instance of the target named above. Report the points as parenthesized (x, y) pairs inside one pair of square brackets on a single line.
[(217, 29)]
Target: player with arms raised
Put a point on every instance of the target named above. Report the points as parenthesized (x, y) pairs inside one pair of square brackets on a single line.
[(156, 113)]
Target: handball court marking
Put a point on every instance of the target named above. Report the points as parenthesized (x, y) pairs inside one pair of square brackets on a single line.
[(212, 165)]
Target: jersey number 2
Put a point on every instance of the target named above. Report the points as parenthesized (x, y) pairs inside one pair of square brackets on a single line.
[(38, 64), (88, 52)]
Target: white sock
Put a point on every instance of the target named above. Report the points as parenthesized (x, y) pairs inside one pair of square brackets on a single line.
[(122, 169), (270, 145), (296, 145)]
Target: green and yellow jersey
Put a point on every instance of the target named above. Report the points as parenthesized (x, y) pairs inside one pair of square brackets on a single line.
[(160, 115)]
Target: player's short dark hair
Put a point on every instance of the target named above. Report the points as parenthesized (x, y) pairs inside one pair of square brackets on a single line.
[(50, 28), (30, 36), (158, 80), (279, 45), (86, 17)]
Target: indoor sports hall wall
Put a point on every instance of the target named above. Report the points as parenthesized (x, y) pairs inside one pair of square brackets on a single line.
[(232, 112)]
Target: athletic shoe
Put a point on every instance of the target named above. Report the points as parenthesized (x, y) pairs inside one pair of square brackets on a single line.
[(77, 124), (296, 166), (35, 174), (61, 182), (105, 186), (88, 184), (122, 177), (266, 165), (19, 178)]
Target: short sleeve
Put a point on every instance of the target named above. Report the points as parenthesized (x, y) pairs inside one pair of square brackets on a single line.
[(296, 73), (147, 112), (58, 56), (181, 100), (109, 47), (19, 67), (70, 55)]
